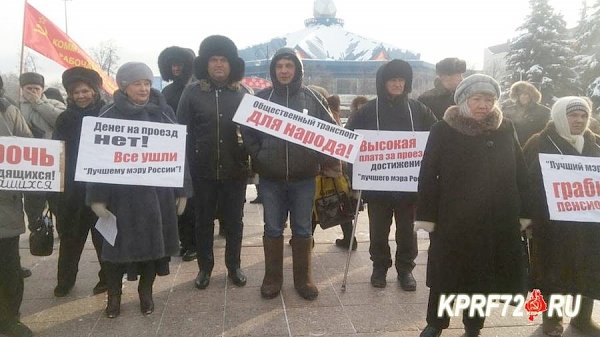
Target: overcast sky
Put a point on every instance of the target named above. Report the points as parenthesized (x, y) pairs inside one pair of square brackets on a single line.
[(141, 29)]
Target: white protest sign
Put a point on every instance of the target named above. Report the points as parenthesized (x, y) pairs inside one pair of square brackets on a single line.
[(126, 152), (298, 128), (31, 164), (572, 185), (389, 160)]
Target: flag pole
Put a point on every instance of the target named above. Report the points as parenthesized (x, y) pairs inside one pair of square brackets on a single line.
[(22, 45)]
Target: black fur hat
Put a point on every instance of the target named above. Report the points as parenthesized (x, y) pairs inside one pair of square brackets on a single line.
[(218, 45), (450, 66), (31, 78), (74, 75), (175, 54), (394, 69)]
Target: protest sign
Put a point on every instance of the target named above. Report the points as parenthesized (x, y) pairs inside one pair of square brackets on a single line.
[(297, 127), (127, 152), (572, 185), (389, 160), (31, 164)]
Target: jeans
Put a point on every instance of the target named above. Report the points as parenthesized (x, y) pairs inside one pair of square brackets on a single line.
[(229, 196), (282, 197), (380, 212)]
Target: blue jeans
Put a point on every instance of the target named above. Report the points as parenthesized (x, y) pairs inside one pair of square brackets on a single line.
[(281, 197)]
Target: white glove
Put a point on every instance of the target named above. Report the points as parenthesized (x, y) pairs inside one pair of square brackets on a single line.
[(180, 204), (100, 209), (427, 226), (524, 223)]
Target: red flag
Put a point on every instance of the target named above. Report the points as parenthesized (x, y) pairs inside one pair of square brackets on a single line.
[(43, 36)]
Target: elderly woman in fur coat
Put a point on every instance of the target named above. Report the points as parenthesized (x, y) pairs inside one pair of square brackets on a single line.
[(565, 254), (525, 111), (472, 180), (146, 215)]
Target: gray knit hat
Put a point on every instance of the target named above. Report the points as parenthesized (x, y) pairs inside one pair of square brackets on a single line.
[(131, 72), (476, 84)]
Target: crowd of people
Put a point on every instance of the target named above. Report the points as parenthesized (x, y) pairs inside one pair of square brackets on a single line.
[(480, 186)]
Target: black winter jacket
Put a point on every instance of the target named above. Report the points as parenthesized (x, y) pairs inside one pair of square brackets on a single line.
[(274, 158), (214, 144), (438, 99), (71, 211)]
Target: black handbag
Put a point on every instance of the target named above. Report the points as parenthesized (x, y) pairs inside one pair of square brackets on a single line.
[(41, 238), (333, 208)]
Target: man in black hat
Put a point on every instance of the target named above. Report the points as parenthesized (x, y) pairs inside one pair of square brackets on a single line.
[(215, 153), (176, 65), (449, 74), (392, 110)]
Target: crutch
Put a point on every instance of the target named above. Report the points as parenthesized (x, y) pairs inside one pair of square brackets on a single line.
[(354, 223)]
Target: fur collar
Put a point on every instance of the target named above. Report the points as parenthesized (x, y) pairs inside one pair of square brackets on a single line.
[(469, 126), (208, 86)]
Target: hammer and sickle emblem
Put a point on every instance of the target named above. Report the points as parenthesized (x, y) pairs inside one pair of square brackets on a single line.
[(41, 28)]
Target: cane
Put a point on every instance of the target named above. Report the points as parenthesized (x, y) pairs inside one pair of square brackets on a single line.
[(355, 222)]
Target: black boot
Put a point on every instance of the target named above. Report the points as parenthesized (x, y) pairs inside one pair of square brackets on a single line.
[(114, 279), (14, 328), (583, 321), (378, 277), (345, 241), (145, 293), (431, 331)]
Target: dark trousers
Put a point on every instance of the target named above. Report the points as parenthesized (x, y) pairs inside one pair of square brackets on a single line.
[(186, 224), (380, 212), (34, 205), (72, 241), (11, 280), (229, 197), (443, 321)]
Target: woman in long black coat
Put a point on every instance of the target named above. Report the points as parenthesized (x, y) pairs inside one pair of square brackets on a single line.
[(565, 254), (74, 218), (146, 215), (472, 179)]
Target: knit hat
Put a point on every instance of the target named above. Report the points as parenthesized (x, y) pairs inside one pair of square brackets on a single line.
[(476, 84), (72, 76), (450, 66), (131, 72), (31, 78), (218, 45), (560, 109)]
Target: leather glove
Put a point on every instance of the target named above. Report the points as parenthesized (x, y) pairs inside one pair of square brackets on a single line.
[(427, 226), (524, 223), (100, 209), (180, 204)]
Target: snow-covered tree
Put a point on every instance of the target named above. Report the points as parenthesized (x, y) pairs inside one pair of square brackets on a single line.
[(587, 46), (541, 55)]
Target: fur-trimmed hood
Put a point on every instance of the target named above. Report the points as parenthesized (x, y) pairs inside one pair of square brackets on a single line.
[(524, 87), (469, 126), (172, 55)]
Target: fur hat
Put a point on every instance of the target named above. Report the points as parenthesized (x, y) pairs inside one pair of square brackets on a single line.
[(74, 75), (131, 72), (450, 66), (176, 55), (218, 45), (476, 84), (521, 87), (394, 69), (31, 78)]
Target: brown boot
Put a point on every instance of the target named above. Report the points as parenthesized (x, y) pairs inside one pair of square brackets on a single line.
[(552, 326), (301, 255), (583, 321), (273, 279)]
